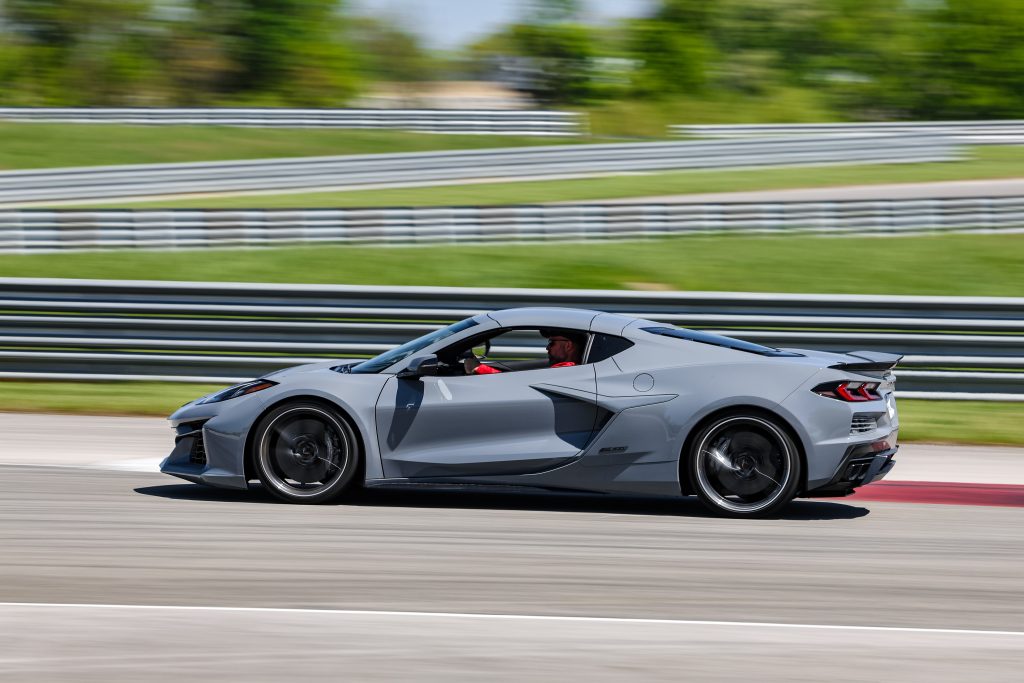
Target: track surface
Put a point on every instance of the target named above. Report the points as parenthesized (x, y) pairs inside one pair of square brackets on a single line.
[(139, 443), (949, 575)]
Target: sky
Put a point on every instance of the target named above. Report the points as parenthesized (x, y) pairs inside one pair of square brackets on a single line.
[(450, 23)]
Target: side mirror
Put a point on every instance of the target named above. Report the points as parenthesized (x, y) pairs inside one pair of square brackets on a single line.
[(419, 367), (482, 349)]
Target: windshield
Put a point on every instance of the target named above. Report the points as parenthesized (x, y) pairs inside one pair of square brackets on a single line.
[(389, 358)]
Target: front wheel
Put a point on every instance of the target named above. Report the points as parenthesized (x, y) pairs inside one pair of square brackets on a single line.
[(744, 465), (305, 453)]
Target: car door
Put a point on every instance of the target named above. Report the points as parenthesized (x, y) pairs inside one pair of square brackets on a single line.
[(484, 425)]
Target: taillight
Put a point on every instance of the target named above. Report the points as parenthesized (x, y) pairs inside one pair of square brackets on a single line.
[(851, 392)]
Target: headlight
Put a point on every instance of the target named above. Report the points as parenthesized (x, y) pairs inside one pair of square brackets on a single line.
[(238, 390)]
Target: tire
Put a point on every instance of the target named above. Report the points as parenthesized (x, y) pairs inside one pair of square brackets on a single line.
[(744, 465), (305, 452)]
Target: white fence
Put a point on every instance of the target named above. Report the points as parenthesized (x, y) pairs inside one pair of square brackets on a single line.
[(474, 121), (24, 230), (969, 132), (435, 168)]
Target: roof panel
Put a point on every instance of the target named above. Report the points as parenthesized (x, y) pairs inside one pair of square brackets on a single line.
[(573, 318)]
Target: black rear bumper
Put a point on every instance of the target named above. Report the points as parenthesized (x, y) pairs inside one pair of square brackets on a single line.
[(861, 465)]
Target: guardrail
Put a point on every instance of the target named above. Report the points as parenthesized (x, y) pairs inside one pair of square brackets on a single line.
[(27, 230), (433, 168), (462, 121), (970, 132), (956, 347)]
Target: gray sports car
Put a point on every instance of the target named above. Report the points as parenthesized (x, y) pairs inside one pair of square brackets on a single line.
[(641, 408)]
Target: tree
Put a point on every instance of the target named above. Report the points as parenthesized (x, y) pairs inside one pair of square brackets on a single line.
[(974, 60), (689, 16), (870, 66), (388, 53), (77, 51), (560, 60), (546, 54), (671, 61), (674, 47), (760, 42), (287, 51), (174, 51)]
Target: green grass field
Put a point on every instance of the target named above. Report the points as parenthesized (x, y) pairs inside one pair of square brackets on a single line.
[(52, 145), (651, 119), (989, 265), (984, 163), (928, 421)]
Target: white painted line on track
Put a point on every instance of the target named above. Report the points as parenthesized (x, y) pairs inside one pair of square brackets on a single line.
[(515, 617), (132, 465), (151, 465)]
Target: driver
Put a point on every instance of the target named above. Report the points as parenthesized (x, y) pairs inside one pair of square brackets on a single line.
[(565, 349)]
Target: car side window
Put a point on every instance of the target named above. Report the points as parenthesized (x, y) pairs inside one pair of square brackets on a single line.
[(604, 346), (517, 345), (523, 349)]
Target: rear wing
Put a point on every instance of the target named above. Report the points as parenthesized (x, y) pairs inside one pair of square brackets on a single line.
[(870, 361)]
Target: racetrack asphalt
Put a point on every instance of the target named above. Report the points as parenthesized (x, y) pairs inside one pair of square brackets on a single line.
[(140, 443), (131, 575)]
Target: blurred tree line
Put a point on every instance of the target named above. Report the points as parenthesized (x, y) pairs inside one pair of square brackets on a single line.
[(867, 59)]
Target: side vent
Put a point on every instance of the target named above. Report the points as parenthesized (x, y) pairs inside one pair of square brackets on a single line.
[(193, 430), (863, 423), (198, 454)]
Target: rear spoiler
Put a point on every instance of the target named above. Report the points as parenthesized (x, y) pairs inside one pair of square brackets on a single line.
[(872, 361)]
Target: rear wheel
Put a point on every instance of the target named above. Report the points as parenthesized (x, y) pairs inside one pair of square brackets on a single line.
[(744, 465), (306, 453)]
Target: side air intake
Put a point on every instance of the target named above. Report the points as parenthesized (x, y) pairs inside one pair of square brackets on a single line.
[(864, 422)]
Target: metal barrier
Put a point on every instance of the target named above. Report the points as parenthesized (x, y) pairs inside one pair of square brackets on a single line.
[(956, 347), (462, 121), (26, 230), (968, 132), (433, 168)]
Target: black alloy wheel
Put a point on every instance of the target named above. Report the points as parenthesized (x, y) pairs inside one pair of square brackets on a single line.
[(744, 465), (306, 452)]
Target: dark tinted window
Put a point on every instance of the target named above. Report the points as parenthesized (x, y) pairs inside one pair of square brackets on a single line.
[(605, 346), (718, 340)]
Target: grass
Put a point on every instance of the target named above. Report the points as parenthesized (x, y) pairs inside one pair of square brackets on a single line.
[(52, 145), (930, 421), (100, 398), (972, 422), (973, 265), (984, 163), (637, 118)]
